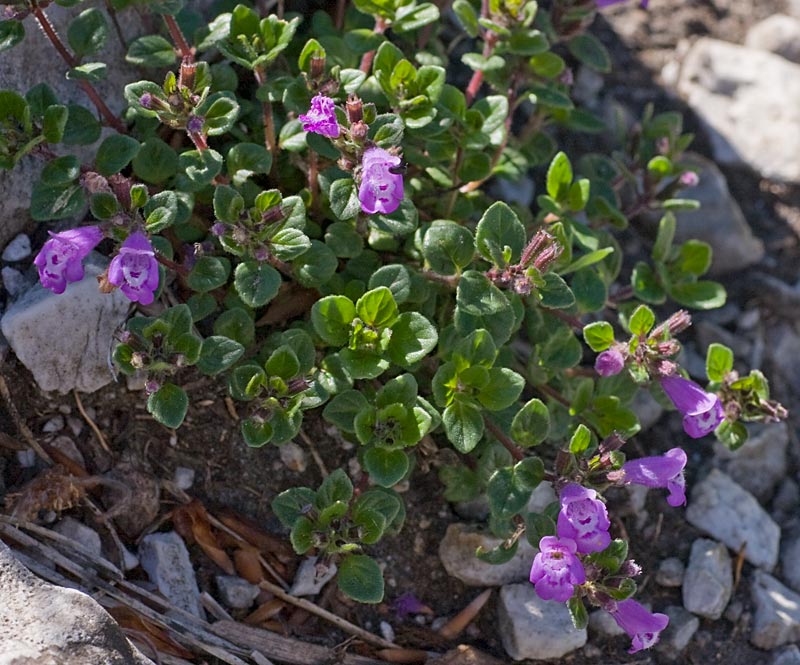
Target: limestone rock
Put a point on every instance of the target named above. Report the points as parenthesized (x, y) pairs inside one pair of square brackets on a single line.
[(310, 577), (790, 559), (708, 583), (166, 560), (788, 656), (19, 248), (671, 572), (779, 34), (777, 616), (236, 592), (678, 633)]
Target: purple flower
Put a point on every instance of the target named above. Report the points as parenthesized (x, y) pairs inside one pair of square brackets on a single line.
[(556, 570), (701, 411), (60, 260), (608, 3), (321, 117), (407, 604), (609, 362), (583, 518), (194, 124), (135, 269), (659, 471), (381, 188), (642, 626), (689, 179), (146, 100)]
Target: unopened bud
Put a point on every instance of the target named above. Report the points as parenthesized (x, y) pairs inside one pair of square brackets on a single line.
[(94, 183), (186, 76), (138, 360), (151, 386), (668, 348), (272, 215), (679, 321), (317, 69), (547, 257), (540, 239), (297, 385), (121, 186), (358, 131), (239, 235), (218, 229), (125, 336), (689, 179), (522, 285), (346, 164), (630, 568), (613, 441), (261, 254), (194, 124), (146, 101), (355, 109)]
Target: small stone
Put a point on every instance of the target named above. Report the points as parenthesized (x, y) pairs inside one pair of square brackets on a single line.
[(55, 424), (474, 510), (67, 446), (788, 656), (777, 617), (235, 592), (519, 191), (26, 458), (467, 655), (166, 560), (670, 572), (75, 425), (778, 34), (457, 553), (14, 281), (19, 248), (311, 576), (708, 583), (646, 408), (786, 500), (541, 497), (708, 332), (534, 628), (85, 536), (294, 457), (732, 515), (183, 477), (387, 632), (602, 623), (129, 559), (790, 559), (734, 611), (677, 635)]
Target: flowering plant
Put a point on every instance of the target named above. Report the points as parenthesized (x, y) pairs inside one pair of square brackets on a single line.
[(306, 208)]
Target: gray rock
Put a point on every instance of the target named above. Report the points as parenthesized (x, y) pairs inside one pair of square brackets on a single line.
[(708, 583), (45, 624), (749, 100), (720, 221), (235, 592), (670, 572), (68, 447), (14, 281), (760, 464), (783, 344), (788, 656), (602, 623), (166, 560), (55, 424), (786, 501), (730, 514), (293, 456), (19, 248), (708, 332), (474, 510), (81, 534), (790, 559), (65, 340), (183, 477), (678, 633), (777, 616), (778, 34), (534, 628), (647, 409), (457, 552), (26, 458), (311, 577)]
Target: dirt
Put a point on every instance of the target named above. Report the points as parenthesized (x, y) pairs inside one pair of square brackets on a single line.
[(230, 475)]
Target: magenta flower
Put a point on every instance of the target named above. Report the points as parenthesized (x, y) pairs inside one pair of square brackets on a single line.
[(659, 471), (60, 261), (642, 626), (701, 411), (135, 269), (583, 518), (381, 187), (556, 570), (321, 117), (609, 363), (608, 3)]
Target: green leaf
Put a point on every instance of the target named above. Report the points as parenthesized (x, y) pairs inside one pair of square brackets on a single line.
[(578, 613), (413, 337), (315, 266), (11, 33), (361, 579), (256, 283), (228, 204), (288, 244), (386, 466), (209, 273), (555, 293), (168, 405), (394, 277), (599, 335), (54, 123), (115, 152), (377, 308), (480, 304), (344, 199), (580, 440), (343, 408), (413, 16), (498, 555), (719, 361), (587, 260), (220, 115), (200, 166), (646, 284), (56, 201), (39, 98), (699, 295), (498, 228), (463, 425), (336, 487), (506, 496), (590, 290), (87, 32), (529, 472), (733, 435), (82, 127), (247, 159), (256, 432), (467, 17), (90, 71), (559, 177), (292, 504), (332, 317), (218, 354), (283, 362), (504, 388), (448, 247), (694, 258), (302, 535), (371, 525), (588, 49), (155, 162), (151, 51), (666, 234), (477, 348), (531, 424), (344, 240), (103, 205), (237, 324), (642, 320)]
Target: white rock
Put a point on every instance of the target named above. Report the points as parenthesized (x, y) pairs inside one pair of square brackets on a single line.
[(678, 633), (534, 628), (65, 340), (779, 34), (760, 464), (68, 447), (55, 424), (311, 577), (236, 592), (19, 248), (602, 623), (708, 583), (731, 515), (183, 477), (293, 456), (457, 553), (81, 534), (750, 102), (387, 632), (777, 616), (166, 560), (14, 281), (26, 458), (45, 624), (670, 572), (541, 497), (646, 408)]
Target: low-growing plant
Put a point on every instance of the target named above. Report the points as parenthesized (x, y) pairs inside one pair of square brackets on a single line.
[(304, 206)]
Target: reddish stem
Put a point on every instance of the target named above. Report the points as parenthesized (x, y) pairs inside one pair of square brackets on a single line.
[(269, 123), (313, 181), (508, 444), (186, 51), (367, 58), (169, 263)]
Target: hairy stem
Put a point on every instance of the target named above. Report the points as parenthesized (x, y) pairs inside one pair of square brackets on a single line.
[(182, 45), (366, 59), (269, 124), (508, 444)]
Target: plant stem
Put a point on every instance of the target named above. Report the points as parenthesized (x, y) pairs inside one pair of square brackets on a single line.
[(186, 51), (566, 318), (172, 265), (72, 61), (313, 181), (489, 42), (269, 123), (366, 59), (508, 444)]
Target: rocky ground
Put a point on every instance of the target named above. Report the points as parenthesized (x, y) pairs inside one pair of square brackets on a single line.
[(725, 569)]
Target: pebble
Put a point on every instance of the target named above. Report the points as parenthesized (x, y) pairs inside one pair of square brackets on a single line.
[(14, 281), (778, 34), (602, 623), (790, 559), (235, 592), (457, 553), (311, 577), (293, 456), (708, 583), (786, 500), (777, 615), (788, 656), (55, 424), (534, 628), (677, 635), (166, 560), (670, 572), (81, 534), (75, 425), (730, 514), (387, 632), (183, 477), (708, 332), (647, 409), (26, 458), (18, 249)]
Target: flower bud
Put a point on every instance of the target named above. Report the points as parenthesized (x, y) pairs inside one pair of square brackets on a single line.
[(355, 109), (94, 183), (689, 179), (358, 131), (317, 69), (194, 124), (138, 360), (151, 386), (146, 101), (272, 215), (261, 254), (218, 229), (186, 76)]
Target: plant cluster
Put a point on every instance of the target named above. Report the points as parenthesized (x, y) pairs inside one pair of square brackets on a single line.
[(316, 194)]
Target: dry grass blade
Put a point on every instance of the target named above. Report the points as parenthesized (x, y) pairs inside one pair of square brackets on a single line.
[(247, 564), (461, 620), (264, 612), (91, 423), (192, 523), (157, 636)]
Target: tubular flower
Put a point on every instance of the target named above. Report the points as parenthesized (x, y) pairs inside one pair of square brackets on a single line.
[(321, 117), (583, 518), (609, 363), (556, 570), (641, 625), (135, 269), (381, 188), (658, 471), (701, 411), (60, 261)]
